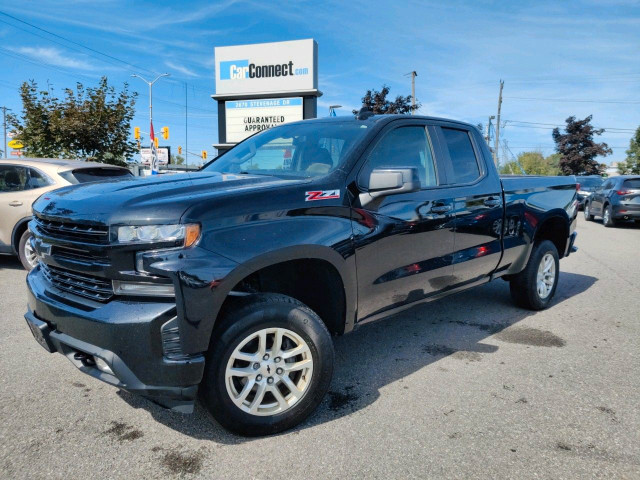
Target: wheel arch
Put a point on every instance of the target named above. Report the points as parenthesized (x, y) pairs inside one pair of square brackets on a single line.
[(555, 228), (328, 271), (18, 229)]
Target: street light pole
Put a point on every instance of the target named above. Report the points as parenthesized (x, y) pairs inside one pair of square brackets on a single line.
[(154, 158)]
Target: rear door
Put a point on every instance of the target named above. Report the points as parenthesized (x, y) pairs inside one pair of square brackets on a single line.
[(477, 204), (19, 187), (597, 198), (403, 242)]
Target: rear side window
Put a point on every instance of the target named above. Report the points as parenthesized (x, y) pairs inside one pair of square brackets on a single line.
[(37, 180), (401, 148), (13, 178), (463, 157), (84, 175), (632, 183)]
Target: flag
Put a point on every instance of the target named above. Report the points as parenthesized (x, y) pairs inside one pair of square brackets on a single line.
[(154, 152)]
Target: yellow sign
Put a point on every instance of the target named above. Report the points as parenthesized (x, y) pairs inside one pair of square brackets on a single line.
[(16, 144)]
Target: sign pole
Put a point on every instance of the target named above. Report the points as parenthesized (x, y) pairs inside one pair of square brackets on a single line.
[(154, 153)]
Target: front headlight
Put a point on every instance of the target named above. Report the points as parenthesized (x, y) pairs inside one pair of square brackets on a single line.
[(189, 234)]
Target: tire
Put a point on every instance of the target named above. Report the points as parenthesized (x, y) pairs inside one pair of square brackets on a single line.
[(524, 286), (298, 325), (587, 212), (25, 252), (607, 217)]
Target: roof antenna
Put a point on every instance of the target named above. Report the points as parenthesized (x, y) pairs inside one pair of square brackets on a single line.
[(364, 113)]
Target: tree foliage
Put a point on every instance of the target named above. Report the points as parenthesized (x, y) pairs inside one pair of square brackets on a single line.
[(532, 163), (377, 101), (578, 148), (177, 159), (91, 123), (631, 166)]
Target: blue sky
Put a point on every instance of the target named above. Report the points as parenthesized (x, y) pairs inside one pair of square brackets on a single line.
[(557, 58)]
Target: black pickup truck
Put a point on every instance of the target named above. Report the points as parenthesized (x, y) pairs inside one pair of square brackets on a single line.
[(229, 282)]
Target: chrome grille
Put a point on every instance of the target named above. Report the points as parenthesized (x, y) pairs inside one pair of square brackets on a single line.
[(73, 231), (86, 286)]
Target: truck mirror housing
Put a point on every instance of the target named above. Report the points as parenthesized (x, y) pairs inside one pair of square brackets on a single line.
[(391, 181)]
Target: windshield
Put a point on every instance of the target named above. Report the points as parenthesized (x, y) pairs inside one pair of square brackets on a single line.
[(632, 183), (298, 150), (589, 182)]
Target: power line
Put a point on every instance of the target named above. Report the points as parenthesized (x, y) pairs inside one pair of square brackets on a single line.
[(623, 102), (106, 55), (622, 129)]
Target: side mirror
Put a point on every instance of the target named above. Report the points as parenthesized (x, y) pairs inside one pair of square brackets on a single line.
[(391, 181)]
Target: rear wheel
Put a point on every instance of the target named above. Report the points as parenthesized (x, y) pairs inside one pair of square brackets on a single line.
[(587, 212), (269, 365), (535, 286), (26, 252), (607, 217)]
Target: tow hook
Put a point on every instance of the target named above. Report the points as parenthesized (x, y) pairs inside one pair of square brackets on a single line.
[(87, 360)]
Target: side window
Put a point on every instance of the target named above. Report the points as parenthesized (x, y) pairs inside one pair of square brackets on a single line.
[(36, 179), (404, 147), (607, 185), (463, 157), (13, 178)]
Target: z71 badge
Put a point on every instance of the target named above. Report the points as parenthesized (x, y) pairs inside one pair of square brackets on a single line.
[(321, 195)]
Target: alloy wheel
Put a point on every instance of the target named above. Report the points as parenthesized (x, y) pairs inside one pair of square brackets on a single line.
[(546, 275), (30, 254), (269, 371)]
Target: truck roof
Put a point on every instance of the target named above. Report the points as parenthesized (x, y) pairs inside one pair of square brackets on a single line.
[(381, 119)]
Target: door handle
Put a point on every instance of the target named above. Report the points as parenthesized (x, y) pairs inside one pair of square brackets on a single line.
[(492, 202), (440, 209), (15, 203)]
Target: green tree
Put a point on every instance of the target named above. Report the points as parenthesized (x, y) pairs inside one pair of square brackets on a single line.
[(532, 163), (177, 159), (632, 163), (578, 148), (92, 123), (377, 101)]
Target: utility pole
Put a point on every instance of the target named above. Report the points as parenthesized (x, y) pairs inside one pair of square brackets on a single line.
[(497, 144), (154, 154), (186, 129), (413, 91), (4, 126)]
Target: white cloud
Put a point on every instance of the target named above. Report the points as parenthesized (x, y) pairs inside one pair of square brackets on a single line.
[(53, 56), (182, 69)]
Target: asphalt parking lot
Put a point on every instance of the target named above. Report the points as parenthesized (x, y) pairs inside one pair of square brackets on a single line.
[(466, 387)]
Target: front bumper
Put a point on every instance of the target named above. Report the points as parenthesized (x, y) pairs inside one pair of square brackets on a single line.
[(124, 334)]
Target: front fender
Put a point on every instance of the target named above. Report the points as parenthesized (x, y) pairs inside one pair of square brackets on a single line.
[(203, 280)]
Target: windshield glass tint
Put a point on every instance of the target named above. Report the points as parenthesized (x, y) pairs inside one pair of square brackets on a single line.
[(589, 182), (299, 150)]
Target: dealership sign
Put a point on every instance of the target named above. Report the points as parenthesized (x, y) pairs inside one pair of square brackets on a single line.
[(267, 68), (163, 155), (246, 117)]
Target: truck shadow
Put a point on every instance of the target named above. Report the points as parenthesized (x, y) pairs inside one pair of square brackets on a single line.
[(10, 262), (384, 352)]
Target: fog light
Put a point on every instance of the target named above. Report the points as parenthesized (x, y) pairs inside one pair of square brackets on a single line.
[(144, 289), (102, 366)]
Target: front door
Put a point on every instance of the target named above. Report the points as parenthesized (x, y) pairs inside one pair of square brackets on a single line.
[(403, 242), (14, 205)]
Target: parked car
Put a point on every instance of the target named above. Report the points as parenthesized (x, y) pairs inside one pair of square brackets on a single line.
[(24, 180), (586, 186), (231, 281), (618, 199)]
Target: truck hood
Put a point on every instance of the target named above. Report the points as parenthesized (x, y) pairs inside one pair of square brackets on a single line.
[(156, 199)]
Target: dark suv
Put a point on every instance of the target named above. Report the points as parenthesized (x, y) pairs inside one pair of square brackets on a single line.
[(617, 199)]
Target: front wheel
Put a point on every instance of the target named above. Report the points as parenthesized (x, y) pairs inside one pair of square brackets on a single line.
[(269, 365), (26, 252), (535, 286)]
